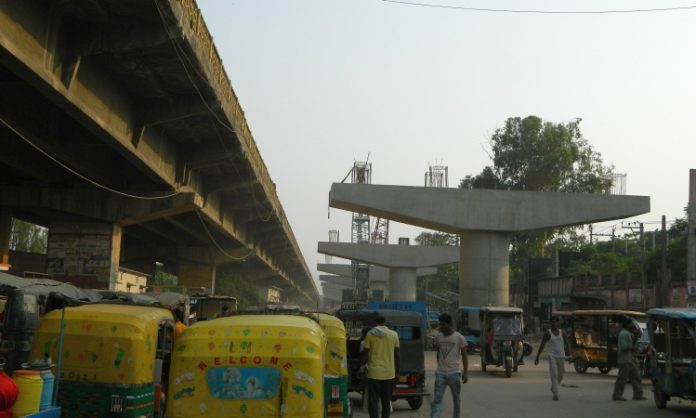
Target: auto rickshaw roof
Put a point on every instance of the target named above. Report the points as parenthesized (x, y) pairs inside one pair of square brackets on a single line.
[(262, 320), (262, 323), (136, 315), (675, 313), (501, 309), (607, 312), (10, 282), (329, 321), (392, 316)]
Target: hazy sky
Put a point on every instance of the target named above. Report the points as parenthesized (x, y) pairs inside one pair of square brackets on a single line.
[(324, 83)]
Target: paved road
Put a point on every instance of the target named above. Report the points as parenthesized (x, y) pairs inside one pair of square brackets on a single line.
[(527, 394)]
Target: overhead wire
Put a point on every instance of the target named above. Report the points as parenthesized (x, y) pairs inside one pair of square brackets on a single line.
[(78, 174), (219, 247), (539, 11)]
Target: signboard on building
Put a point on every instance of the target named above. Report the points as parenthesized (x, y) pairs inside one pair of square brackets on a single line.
[(79, 254), (691, 288)]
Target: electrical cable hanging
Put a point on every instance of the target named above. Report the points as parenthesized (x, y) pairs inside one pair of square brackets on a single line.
[(225, 253), (533, 11), (87, 179)]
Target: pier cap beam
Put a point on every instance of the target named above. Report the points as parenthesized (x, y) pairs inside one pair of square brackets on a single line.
[(456, 210), (403, 261), (484, 220), (377, 273)]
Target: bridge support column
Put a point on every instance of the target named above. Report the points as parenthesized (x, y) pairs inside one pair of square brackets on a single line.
[(5, 232), (402, 284), (84, 253), (484, 268)]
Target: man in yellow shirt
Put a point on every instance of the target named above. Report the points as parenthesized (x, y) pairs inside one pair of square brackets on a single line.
[(381, 354)]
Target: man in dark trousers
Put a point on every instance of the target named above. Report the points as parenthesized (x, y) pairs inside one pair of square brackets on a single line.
[(381, 354), (628, 371)]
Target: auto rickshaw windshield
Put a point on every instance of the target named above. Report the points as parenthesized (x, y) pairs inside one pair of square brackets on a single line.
[(507, 325)]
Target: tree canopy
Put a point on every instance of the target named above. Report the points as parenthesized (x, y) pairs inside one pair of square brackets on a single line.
[(533, 154), (447, 277), (536, 155)]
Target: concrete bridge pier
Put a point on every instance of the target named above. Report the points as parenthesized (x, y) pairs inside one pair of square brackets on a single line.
[(5, 232), (84, 253), (483, 268), (402, 283)]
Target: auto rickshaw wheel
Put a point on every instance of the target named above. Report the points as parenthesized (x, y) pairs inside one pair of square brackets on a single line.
[(483, 366), (508, 367), (415, 402), (604, 369), (660, 398), (580, 365)]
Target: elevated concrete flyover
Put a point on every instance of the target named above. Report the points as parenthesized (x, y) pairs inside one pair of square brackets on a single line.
[(484, 220), (117, 119), (403, 263)]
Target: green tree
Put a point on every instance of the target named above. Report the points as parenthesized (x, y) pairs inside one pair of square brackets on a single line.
[(447, 276), (676, 252), (246, 293), (28, 237), (624, 254), (535, 155)]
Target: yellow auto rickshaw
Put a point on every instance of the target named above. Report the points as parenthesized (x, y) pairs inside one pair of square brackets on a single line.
[(594, 339), (249, 365), (114, 358), (335, 367)]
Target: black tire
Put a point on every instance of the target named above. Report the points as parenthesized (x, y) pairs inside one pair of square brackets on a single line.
[(580, 365), (415, 402), (527, 349), (660, 398), (604, 369), (483, 366), (508, 367)]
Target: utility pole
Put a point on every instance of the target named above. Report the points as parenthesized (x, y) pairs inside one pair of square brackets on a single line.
[(691, 237), (641, 244), (613, 246), (663, 266), (643, 276), (590, 234)]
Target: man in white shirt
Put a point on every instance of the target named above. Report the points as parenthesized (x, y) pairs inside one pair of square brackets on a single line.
[(451, 347), (558, 350)]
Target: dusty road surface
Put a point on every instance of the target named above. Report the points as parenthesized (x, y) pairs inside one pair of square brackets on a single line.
[(527, 394)]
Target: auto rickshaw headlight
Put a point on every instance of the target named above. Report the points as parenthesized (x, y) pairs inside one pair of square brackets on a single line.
[(507, 343)]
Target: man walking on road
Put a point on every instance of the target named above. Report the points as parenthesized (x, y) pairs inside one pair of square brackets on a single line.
[(627, 367), (381, 354), (450, 346), (558, 347)]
